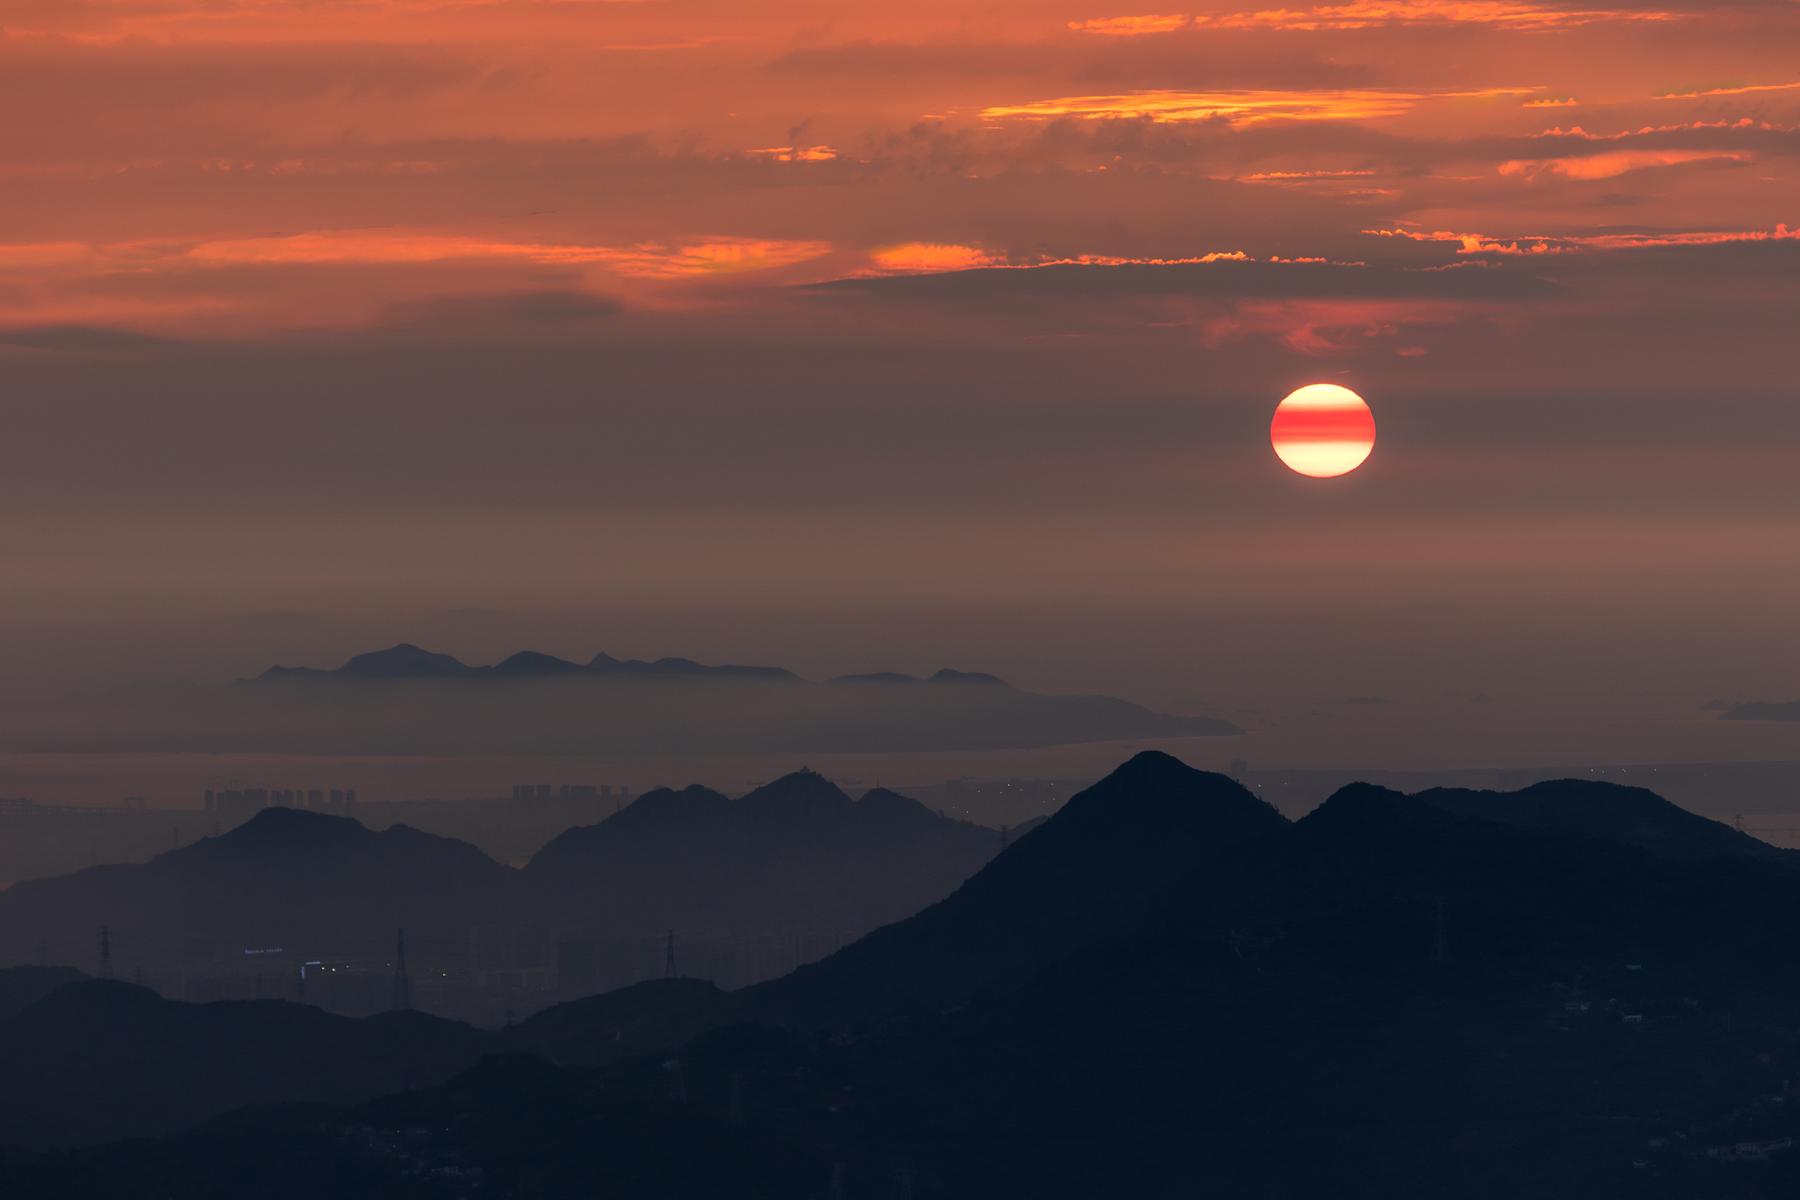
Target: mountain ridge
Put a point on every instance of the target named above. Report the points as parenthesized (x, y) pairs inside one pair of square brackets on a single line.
[(405, 660)]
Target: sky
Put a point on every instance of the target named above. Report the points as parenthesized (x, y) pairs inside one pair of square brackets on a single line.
[(871, 336)]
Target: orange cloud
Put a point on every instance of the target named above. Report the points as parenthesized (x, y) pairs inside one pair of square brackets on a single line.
[(1742, 90), (1611, 164), (1302, 176), (1552, 102), (797, 153), (711, 256), (43, 254), (932, 257), (1132, 26), (921, 258), (1476, 243), (1238, 107), (1365, 14), (1576, 131), (645, 260)]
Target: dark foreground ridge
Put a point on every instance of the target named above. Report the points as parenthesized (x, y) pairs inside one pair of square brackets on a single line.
[(1572, 991)]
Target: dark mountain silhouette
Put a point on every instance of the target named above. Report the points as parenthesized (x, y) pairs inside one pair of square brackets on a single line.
[(1636, 816), (24, 986), (1763, 710), (406, 661), (530, 662), (505, 1127), (795, 853), (796, 859), (980, 677), (1095, 869), (606, 664), (285, 877), (101, 1060), (1378, 998), (1162, 987), (640, 1019)]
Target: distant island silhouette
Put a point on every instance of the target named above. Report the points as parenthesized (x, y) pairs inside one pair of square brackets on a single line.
[(409, 700), (407, 661), (1762, 710)]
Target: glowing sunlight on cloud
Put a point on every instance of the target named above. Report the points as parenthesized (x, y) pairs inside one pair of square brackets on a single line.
[(1236, 107), (1740, 90), (1611, 164), (1132, 26), (646, 260), (1367, 14), (931, 257), (1533, 244)]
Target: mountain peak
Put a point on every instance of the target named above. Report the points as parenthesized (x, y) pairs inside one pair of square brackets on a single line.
[(404, 660), (949, 675), (1158, 794), (280, 828), (1632, 815), (805, 791), (1361, 811), (531, 662)]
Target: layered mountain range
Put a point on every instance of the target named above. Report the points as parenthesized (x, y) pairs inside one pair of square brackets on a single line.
[(1576, 990), (797, 853)]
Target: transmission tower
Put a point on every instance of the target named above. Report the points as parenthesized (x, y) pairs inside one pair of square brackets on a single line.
[(402, 997), (106, 952), (903, 1180)]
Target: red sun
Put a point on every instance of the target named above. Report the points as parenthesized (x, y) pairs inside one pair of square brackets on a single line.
[(1323, 430)]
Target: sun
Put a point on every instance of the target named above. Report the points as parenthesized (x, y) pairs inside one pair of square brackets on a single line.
[(1322, 430)]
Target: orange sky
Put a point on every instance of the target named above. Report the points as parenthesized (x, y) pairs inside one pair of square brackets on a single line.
[(169, 165), (824, 296)]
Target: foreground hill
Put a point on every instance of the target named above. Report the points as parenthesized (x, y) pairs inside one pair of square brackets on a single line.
[(1165, 988), (1635, 816), (1101, 866), (21, 987), (100, 1059)]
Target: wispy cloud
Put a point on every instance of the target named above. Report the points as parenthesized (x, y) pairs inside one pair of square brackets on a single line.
[(1367, 14), (932, 256), (1132, 26), (1612, 163), (1538, 244), (796, 153), (645, 260), (1236, 107), (1738, 90), (1374, 14)]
